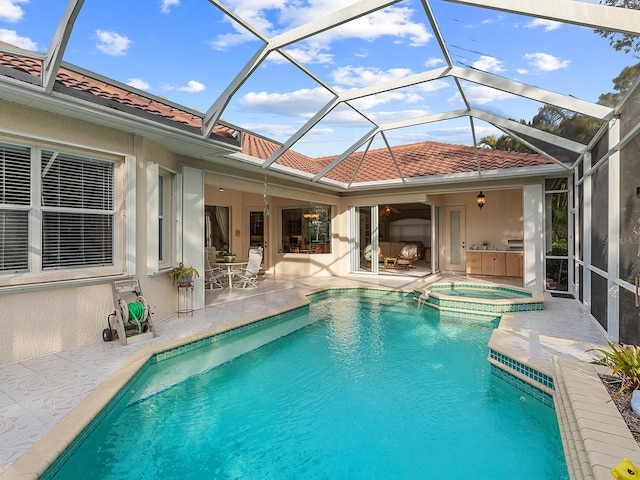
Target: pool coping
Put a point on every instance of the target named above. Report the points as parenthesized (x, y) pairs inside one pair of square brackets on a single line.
[(594, 435), (601, 449)]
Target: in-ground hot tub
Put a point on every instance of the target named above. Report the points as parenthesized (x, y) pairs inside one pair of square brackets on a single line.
[(476, 297)]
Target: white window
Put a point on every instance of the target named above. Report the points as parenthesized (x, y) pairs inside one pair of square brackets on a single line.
[(77, 211), (162, 190), (60, 218)]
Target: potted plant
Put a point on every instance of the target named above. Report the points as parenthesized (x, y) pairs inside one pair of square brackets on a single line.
[(183, 275), (485, 244), (230, 257)]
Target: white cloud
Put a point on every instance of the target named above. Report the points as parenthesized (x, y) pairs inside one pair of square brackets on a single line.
[(546, 25), (488, 64), (299, 103), (361, 53), (227, 40), (138, 83), (272, 130), (112, 43), (10, 11), (367, 103), (165, 5), (308, 53), (480, 95), (397, 115), (350, 76), (192, 86), (546, 62), (12, 37), (392, 21), (433, 62)]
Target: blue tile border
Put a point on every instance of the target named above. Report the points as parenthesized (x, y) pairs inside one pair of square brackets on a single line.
[(205, 342), (519, 367), (523, 386)]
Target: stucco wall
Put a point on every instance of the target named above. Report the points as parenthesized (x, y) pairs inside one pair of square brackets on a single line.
[(42, 319)]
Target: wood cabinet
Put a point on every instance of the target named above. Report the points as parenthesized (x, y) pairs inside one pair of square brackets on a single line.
[(474, 263), (515, 264), (494, 263)]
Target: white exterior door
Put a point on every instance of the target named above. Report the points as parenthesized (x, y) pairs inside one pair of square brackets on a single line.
[(454, 239)]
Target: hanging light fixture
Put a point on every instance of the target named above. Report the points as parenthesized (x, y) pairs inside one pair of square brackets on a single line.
[(480, 200)]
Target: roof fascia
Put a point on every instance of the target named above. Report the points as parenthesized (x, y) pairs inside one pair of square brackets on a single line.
[(457, 178), (530, 131), (568, 11), (533, 93), (58, 45), (76, 107)]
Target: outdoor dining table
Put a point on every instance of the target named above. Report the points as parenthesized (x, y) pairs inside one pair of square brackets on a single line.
[(230, 269)]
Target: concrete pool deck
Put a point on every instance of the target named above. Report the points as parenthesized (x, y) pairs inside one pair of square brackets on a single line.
[(36, 394)]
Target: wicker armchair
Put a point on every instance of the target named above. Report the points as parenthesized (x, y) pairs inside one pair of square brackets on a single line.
[(407, 256)]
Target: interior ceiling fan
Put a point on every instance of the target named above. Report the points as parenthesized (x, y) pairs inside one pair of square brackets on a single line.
[(388, 210)]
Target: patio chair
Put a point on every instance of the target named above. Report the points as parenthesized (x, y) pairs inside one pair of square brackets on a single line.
[(248, 276), (212, 275), (367, 254), (407, 256)]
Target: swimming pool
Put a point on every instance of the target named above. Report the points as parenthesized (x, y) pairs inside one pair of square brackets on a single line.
[(373, 388), (478, 297)]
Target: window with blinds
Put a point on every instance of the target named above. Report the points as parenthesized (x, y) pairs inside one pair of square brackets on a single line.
[(68, 222), (15, 201), (77, 211)]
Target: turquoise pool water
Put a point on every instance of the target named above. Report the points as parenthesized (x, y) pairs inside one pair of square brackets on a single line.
[(374, 388)]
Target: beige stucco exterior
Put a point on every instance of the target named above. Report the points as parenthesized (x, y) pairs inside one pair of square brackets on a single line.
[(48, 312)]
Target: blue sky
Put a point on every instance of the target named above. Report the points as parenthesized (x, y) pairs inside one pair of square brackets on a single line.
[(188, 51)]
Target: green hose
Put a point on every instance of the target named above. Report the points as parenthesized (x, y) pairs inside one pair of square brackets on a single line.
[(136, 312)]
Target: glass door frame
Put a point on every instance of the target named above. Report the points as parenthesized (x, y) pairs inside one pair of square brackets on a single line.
[(355, 246)]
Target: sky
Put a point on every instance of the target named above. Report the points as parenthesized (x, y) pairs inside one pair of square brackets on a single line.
[(188, 51)]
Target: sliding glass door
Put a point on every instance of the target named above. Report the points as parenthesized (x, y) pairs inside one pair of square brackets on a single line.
[(364, 238)]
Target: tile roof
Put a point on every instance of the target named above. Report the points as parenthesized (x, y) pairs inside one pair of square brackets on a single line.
[(102, 90), (429, 158), (414, 160)]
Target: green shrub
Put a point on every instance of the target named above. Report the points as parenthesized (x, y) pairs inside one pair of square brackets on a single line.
[(624, 362)]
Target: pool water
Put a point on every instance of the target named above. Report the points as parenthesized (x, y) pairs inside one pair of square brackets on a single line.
[(374, 388)]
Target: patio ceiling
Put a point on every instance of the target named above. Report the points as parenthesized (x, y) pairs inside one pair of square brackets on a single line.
[(372, 131)]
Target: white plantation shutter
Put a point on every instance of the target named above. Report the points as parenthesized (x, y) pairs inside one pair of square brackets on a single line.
[(77, 211), (15, 200)]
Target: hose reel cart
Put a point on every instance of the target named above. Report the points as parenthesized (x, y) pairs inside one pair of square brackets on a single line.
[(132, 315)]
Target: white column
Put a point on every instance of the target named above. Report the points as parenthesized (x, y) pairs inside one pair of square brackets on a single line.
[(613, 265), (533, 222), (193, 227)]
